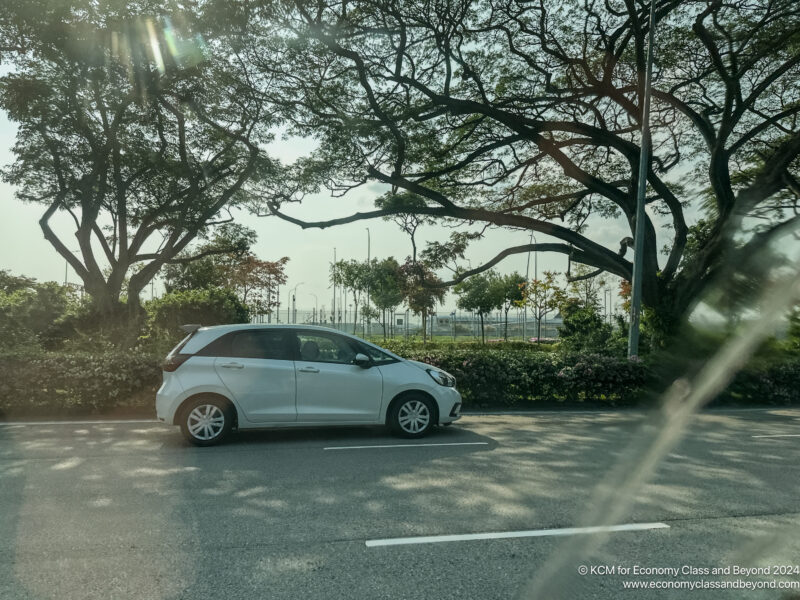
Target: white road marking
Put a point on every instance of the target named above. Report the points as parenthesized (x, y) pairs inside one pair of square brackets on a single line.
[(115, 422), (435, 539), (406, 445), (777, 435)]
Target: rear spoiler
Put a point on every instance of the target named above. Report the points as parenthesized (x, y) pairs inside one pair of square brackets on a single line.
[(190, 328)]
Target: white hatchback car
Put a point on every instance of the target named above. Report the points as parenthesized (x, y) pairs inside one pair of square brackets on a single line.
[(254, 376)]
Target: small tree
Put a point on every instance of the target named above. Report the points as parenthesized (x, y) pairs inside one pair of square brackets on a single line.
[(422, 290), (481, 294), (386, 287), (353, 276), (543, 296), (512, 291), (257, 281), (211, 306)]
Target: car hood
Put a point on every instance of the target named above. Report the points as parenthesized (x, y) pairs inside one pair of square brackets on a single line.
[(424, 366)]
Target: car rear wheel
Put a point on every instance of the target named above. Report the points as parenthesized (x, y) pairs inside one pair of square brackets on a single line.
[(412, 417), (206, 421)]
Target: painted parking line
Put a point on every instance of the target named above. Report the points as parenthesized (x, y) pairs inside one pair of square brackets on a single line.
[(777, 435), (406, 445), (107, 422), (437, 539)]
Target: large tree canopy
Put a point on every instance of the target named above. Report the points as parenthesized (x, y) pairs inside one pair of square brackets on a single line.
[(527, 114), (134, 121)]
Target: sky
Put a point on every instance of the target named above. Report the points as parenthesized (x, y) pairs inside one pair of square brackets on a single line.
[(23, 249)]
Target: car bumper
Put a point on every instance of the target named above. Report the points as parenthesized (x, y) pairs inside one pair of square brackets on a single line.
[(449, 406), (168, 398)]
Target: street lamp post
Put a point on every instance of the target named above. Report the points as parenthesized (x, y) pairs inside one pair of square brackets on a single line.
[(294, 304), (535, 277), (333, 310), (316, 305), (369, 264), (644, 160)]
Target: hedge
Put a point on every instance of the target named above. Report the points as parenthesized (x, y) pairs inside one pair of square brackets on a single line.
[(81, 383)]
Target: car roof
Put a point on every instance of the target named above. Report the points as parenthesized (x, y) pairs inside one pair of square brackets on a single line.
[(216, 331), (241, 326)]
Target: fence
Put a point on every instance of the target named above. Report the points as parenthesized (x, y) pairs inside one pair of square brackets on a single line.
[(444, 324)]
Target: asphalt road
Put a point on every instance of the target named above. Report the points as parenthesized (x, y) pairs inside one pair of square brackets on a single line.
[(128, 510)]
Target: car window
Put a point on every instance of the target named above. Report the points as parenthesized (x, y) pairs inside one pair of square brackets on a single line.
[(378, 356), (254, 344), (317, 347)]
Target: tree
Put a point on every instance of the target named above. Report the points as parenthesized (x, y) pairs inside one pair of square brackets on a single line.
[(229, 245), (482, 294), (586, 285), (29, 311), (209, 306), (512, 291), (139, 132), (543, 296), (583, 330), (257, 281), (353, 276), (422, 290), (527, 115), (386, 288)]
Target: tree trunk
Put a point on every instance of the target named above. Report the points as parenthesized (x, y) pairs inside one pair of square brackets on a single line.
[(483, 335), (505, 332)]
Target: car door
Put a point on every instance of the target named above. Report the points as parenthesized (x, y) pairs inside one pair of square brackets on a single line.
[(330, 387), (256, 366)]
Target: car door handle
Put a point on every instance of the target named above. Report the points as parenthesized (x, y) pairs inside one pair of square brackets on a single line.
[(308, 370), (233, 366)]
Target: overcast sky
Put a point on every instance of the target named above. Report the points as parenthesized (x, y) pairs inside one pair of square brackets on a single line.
[(24, 250)]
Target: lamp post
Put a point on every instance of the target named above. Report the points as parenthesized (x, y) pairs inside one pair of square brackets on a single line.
[(369, 265), (535, 277), (644, 160), (333, 310), (294, 304), (316, 305)]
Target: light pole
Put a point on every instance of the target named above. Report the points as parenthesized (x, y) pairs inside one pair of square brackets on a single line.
[(369, 267), (316, 305), (294, 304), (333, 310), (644, 161), (535, 276)]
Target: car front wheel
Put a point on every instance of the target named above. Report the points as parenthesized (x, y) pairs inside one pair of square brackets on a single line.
[(412, 417), (206, 421)]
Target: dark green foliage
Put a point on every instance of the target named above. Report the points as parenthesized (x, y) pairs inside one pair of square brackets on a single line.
[(30, 311), (61, 384), (584, 331), (776, 383), (506, 375), (510, 377), (211, 306)]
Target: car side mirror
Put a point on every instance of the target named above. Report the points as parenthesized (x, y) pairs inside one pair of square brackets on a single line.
[(362, 360)]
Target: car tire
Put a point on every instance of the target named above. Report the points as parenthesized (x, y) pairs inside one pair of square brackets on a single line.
[(206, 420), (412, 416)]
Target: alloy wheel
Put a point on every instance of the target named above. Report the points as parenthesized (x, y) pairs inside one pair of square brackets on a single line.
[(414, 416), (205, 422)]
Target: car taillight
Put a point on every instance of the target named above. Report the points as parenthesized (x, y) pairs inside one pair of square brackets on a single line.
[(171, 363)]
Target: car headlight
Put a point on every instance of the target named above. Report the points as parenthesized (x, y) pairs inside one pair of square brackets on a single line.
[(442, 378)]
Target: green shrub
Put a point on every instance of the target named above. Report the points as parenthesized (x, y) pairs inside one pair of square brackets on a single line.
[(775, 383), (59, 384), (208, 306), (510, 376)]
